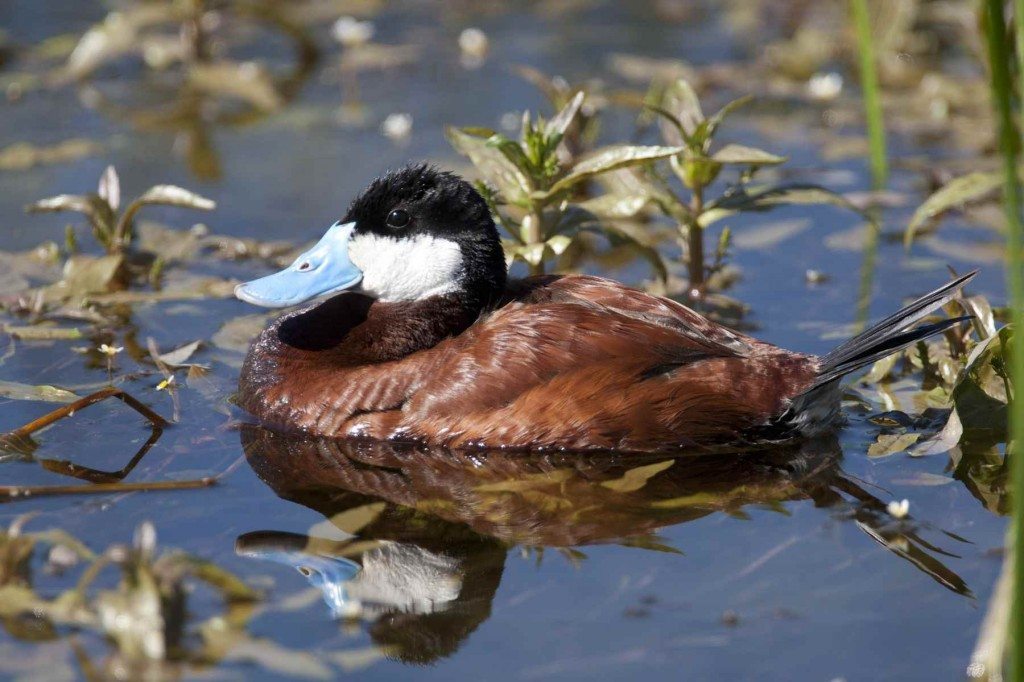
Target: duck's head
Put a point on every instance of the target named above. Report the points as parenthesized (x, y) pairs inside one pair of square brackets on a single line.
[(412, 234)]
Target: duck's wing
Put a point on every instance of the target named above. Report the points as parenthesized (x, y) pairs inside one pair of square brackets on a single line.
[(610, 295)]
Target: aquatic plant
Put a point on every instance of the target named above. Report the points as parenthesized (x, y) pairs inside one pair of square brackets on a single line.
[(532, 191), (115, 231), (697, 167), (1000, 65), (872, 97)]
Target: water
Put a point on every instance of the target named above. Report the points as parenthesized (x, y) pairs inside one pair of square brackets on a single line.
[(498, 567)]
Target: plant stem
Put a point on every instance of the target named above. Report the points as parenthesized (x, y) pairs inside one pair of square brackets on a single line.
[(695, 244), (872, 99), (535, 235), (999, 55)]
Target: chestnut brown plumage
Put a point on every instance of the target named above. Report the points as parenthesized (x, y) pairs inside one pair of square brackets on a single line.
[(559, 362)]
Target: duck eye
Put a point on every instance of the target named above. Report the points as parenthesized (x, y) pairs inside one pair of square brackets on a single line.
[(305, 265), (398, 218)]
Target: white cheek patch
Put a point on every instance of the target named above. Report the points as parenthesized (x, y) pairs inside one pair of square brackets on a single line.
[(406, 268)]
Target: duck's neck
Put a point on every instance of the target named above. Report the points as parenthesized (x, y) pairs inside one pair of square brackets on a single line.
[(352, 329)]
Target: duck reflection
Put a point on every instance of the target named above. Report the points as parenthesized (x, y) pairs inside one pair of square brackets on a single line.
[(421, 534)]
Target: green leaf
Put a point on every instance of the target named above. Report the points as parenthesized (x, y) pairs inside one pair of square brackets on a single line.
[(609, 159), (564, 118), (491, 162), (50, 394), (613, 206), (711, 125), (953, 194), (636, 478), (680, 100), (98, 211), (559, 243), (766, 198), (740, 154)]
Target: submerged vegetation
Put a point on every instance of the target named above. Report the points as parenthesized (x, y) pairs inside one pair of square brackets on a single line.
[(627, 175)]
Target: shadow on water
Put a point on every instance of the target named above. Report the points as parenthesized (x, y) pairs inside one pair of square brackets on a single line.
[(422, 534)]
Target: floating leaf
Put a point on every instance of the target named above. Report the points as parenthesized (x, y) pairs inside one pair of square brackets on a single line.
[(23, 155), (179, 356), (740, 154), (944, 441), (247, 81), (353, 520), (889, 444), (528, 482), (953, 194), (238, 333), (44, 333), (50, 394), (636, 478), (766, 236), (609, 159)]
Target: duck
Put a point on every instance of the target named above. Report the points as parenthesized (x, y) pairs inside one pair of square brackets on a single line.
[(409, 328)]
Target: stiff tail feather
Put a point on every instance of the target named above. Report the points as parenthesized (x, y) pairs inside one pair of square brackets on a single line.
[(889, 336)]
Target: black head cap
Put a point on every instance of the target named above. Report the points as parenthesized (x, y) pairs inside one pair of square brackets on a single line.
[(421, 199)]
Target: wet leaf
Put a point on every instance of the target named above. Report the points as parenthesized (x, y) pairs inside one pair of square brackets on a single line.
[(740, 154), (238, 333), (889, 444), (231, 587), (952, 195), (23, 155), (609, 159), (766, 236), (944, 441), (649, 542), (86, 275), (179, 356), (981, 310), (354, 520), (636, 478), (247, 81), (528, 482), (925, 479), (43, 332), (50, 394)]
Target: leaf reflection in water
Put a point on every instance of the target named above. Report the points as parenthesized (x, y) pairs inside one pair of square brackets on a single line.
[(419, 535)]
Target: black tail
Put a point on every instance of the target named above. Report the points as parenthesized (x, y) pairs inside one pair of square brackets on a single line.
[(892, 334)]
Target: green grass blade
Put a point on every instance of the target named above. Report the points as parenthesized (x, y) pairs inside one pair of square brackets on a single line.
[(999, 55), (872, 97)]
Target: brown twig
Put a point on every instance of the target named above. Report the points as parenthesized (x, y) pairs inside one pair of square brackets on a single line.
[(16, 491)]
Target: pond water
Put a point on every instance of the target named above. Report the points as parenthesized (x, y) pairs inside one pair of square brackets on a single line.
[(407, 563)]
